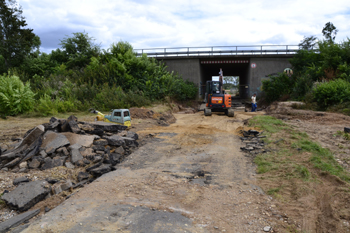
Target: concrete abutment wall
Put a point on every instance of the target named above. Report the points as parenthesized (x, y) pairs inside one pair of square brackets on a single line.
[(251, 76)]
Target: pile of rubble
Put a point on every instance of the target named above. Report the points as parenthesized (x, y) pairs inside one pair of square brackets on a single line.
[(98, 147), (254, 142)]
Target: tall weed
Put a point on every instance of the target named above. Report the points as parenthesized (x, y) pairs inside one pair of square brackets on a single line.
[(15, 97)]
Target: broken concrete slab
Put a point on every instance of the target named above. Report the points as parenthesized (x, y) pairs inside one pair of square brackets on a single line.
[(73, 124), (132, 135), (109, 127), (130, 142), (27, 195), (83, 140), (19, 180), (52, 141), (75, 153), (33, 135), (104, 168), (17, 220), (115, 140)]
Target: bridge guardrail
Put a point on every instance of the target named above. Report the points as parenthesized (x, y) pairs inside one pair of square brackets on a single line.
[(219, 50)]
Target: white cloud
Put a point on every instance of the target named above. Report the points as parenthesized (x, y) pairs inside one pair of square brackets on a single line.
[(160, 23)]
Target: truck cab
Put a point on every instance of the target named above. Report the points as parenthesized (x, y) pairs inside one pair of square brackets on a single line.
[(119, 116)]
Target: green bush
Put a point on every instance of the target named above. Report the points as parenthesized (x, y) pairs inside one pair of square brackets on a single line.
[(50, 107), (15, 97), (332, 93), (276, 87)]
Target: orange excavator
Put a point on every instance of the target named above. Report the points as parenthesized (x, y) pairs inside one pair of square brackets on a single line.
[(215, 98)]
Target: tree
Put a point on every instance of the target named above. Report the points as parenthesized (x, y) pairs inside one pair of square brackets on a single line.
[(78, 50), (308, 43), (16, 41), (329, 32)]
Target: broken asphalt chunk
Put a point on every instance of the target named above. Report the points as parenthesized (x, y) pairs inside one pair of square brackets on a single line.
[(27, 195), (18, 220)]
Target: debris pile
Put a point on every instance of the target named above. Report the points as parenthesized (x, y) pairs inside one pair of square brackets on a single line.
[(254, 142), (98, 147)]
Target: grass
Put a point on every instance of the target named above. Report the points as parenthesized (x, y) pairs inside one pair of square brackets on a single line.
[(342, 134), (296, 154)]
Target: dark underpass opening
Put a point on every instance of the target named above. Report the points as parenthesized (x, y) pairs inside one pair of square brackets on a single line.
[(210, 68)]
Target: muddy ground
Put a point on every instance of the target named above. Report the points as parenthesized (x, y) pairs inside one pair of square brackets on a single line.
[(190, 176)]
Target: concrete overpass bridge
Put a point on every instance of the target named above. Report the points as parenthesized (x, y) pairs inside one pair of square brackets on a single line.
[(251, 63)]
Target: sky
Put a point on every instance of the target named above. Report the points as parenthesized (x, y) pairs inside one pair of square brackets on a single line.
[(185, 23)]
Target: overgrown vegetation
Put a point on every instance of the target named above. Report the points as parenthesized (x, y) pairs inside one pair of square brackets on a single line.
[(79, 75), (321, 74), (296, 156)]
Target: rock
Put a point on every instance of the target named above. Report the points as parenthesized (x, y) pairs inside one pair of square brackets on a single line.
[(5, 169), (98, 148), (83, 176), (16, 169), (62, 186), (66, 185), (63, 150), (56, 189), (83, 140), (119, 150), (104, 168), (130, 142), (50, 163), (97, 159), (86, 161), (75, 153), (27, 195), (93, 166), (23, 165), (267, 228), (101, 142), (75, 147), (346, 130), (73, 124), (69, 165), (34, 164), (19, 180), (18, 220), (23, 170), (52, 141), (64, 126), (43, 153), (86, 152), (47, 209), (80, 163), (53, 124), (114, 158), (132, 135), (80, 184), (115, 140)]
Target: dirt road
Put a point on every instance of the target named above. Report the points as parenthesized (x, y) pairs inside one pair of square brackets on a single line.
[(190, 177)]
